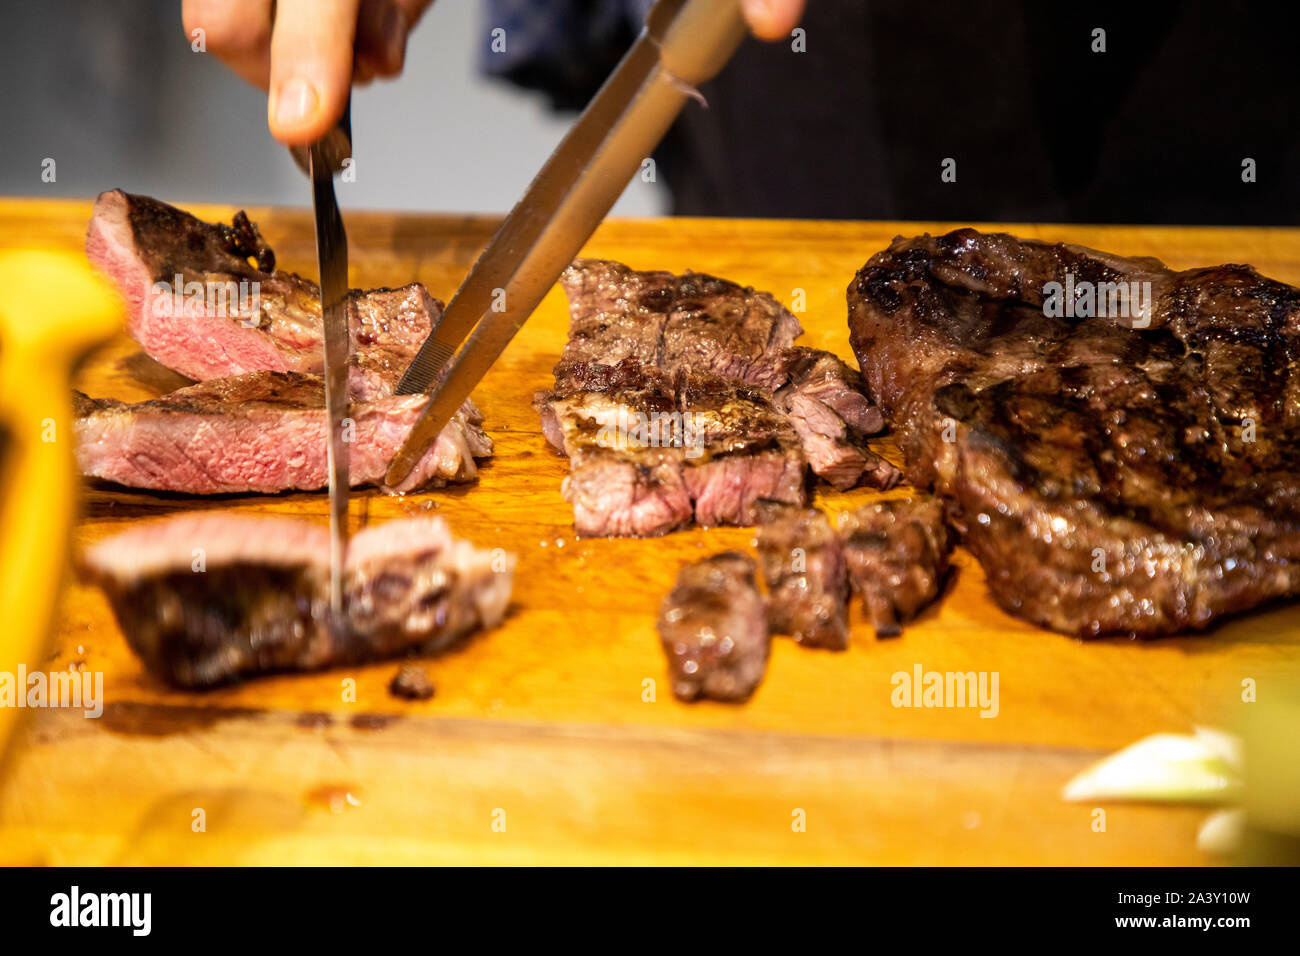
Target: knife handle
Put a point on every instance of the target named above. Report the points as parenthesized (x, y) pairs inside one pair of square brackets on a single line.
[(335, 146)]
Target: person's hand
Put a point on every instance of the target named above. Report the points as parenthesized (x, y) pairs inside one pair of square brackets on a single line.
[(772, 19), (305, 59)]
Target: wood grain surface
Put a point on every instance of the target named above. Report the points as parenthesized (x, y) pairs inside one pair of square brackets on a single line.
[(540, 744)]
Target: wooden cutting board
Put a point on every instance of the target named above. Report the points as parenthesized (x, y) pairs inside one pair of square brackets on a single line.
[(555, 738)]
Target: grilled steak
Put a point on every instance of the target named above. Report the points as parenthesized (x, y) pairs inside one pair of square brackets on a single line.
[(713, 630), (651, 452), (808, 590), (197, 305), (717, 360), (208, 598), (262, 432), (1113, 474), (693, 322), (897, 554), (206, 300), (826, 402)]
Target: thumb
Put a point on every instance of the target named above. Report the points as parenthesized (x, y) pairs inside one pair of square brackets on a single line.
[(311, 67)]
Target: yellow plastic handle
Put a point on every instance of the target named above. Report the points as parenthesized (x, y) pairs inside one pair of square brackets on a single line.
[(54, 310)]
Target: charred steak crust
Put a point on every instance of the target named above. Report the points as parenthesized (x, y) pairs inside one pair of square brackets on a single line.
[(694, 322), (1109, 478), (259, 600), (897, 553), (717, 358), (808, 588), (713, 629)]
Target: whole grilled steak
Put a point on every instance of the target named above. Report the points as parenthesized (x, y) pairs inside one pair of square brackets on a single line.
[(713, 629), (897, 553), (716, 359), (1132, 473), (198, 305), (208, 598), (261, 432), (807, 584)]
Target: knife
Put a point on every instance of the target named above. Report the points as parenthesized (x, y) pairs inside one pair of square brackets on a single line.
[(324, 158), (684, 43)]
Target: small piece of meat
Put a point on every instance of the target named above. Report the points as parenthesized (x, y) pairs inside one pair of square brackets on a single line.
[(808, 588), (411, 682), (262, 432), (826, 402), (897, 554), (208, 598), (692, 322), (713, 630), (650, 453), (1118, 442), (199, 306)]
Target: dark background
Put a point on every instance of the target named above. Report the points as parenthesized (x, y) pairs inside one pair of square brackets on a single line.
[(1154, 130)]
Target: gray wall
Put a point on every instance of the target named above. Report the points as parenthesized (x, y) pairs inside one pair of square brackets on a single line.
[(111, 91)]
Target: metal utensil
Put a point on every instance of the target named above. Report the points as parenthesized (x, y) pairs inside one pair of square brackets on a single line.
[(325, 157), (684, 43)]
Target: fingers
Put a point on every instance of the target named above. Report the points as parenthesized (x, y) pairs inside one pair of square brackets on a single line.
[(772, 19), (311, 67), (414, 9), (381, 40), (237, 32), (383, 27)]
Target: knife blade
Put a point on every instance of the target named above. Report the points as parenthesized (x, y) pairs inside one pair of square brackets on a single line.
[(684, 43), (332, 262)]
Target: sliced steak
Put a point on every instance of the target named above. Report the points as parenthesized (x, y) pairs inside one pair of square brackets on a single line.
[(826, 402), (208, 598), (692, 322), (713, 630), (261, 432), (808, 588), (650, 452), (897, 554), (655, 344), (205, 299), (1112, 474)]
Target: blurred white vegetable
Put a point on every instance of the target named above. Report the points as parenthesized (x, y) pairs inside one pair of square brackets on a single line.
[(1204, 767)]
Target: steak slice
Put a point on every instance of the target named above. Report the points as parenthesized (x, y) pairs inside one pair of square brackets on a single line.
[(826, 402), (713, 630), (808, 588), (650, 453), (261, 432), (204, 599), (654, 344), (1112, 474), (692, 322), (205, 299), (897, 554)]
